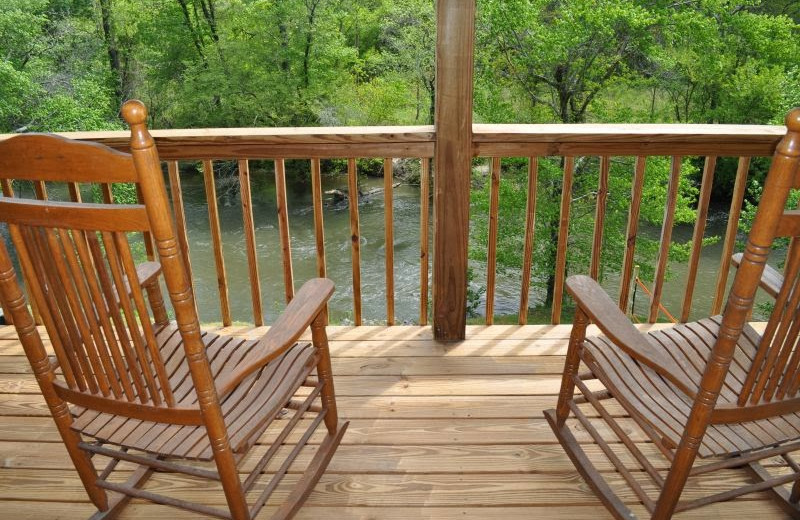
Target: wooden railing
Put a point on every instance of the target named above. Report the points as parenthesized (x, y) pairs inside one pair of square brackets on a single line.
[(608, 142), (314, 145), (535, 142)]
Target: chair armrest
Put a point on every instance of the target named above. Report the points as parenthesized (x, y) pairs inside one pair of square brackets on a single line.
[(771, 279), (604, 313), (306, 305), (147, 272)]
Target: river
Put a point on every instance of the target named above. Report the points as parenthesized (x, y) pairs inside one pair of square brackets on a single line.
[(373, 253)]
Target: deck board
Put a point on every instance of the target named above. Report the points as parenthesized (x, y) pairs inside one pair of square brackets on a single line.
[(437, 431)]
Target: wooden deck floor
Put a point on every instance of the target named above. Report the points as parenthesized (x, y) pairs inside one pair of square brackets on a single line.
[(437, 431)]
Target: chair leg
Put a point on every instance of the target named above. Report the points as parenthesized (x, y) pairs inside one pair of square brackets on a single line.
[(312, 475), (682, 463), (80, 459), (571, 365), (586, 469), (319, 339)]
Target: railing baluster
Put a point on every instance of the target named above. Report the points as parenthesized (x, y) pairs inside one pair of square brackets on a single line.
[(355, 237), (666, 236), (249, 228), (563, 232), (424, 230), (491, 262), (180, 215), (319, 228), (216, 239), (283, 228), (699, 232), (633, 229), (737, 198), (599, 217), (530, 230), (388, 204)]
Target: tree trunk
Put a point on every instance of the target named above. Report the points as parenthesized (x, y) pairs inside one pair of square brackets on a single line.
[(114, 61)]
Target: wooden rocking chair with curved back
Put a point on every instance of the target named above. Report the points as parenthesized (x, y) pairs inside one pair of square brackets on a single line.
[(127, 384), (714, 388)]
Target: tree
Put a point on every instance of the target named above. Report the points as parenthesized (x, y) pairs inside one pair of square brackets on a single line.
[(49, 66), (722, 63), (561, 55)]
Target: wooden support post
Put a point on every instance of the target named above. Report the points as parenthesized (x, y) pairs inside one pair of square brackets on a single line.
[(453, 158)]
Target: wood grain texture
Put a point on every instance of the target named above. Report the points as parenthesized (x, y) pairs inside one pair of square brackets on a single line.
[(138, 384), (176, 192), (530, 231), (666, 237), (713, 394), (563, 237), (489, 140), (250, 241), (732, 228), (491, 262), (353, 196), (439, 454), (283, 228), (632, 231), (216, 240), (699, 232), (599, 216), (453, 161), (388, 222), (319, 228), (424, 238)]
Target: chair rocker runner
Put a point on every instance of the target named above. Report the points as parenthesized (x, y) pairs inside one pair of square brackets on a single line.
[(714, 388), (125, 383)]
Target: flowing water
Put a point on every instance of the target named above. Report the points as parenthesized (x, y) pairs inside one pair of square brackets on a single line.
[(303, 246), (373, 253)]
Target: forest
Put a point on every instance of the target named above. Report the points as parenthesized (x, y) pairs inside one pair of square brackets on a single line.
[(68, 65)]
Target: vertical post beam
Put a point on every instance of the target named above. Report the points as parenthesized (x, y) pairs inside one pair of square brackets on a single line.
[(453, 158)]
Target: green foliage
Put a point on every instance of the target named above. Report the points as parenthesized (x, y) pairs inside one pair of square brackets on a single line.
[(121, 192), (67, 65), (511, 215)]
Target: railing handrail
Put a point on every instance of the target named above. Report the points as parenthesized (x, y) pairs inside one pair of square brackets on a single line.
[(501, 140), (270, 143), (624, 139)]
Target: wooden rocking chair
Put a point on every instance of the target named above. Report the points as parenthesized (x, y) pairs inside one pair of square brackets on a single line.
[(713, 388), (126, 384)]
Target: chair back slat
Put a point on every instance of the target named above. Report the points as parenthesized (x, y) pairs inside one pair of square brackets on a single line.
[(63, 161), (105, 313), (120, 290), (779, 336), (155, 369)]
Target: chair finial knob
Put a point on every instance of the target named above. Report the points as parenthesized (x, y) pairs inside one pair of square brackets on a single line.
[(134, 112), (793, 120)]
